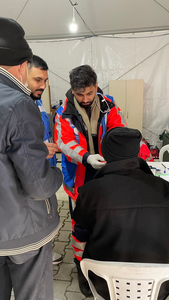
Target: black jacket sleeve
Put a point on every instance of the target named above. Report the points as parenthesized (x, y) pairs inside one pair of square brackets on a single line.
[(78, 215)]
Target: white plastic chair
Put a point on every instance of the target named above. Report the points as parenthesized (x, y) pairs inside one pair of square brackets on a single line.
[(127, 281), (162, 151)]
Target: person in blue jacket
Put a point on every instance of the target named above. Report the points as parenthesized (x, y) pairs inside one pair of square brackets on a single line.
[(37, 78), (48, 139)]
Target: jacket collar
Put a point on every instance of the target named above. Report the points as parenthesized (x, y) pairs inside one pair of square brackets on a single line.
[(124, 167), (71, 110), (8, 79)]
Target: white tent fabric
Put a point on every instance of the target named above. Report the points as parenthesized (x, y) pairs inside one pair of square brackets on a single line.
[(132, 56)]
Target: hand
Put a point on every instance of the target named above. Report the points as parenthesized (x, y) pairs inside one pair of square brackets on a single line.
[(96, 161), (52, 149)]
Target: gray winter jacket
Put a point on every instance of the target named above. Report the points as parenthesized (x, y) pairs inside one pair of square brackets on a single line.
[(28, 205)]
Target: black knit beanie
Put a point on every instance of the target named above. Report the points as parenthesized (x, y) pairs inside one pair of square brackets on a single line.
[(14, 49), (121, 143)]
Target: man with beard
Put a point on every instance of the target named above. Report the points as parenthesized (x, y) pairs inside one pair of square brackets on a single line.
[(37, 78), (80, 127)]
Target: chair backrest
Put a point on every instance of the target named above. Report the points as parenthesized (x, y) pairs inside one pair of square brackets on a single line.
[(127, 281), (162, 151)]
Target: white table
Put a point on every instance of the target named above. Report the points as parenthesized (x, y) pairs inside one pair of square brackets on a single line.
[(160, 169)]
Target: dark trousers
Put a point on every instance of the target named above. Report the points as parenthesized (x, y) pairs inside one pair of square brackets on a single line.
[(79, 235), (29, 274)]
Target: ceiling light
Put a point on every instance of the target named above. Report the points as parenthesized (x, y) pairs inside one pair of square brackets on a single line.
[(73, 25)]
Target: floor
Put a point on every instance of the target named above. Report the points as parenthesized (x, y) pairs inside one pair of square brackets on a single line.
[(65, 279), (65, 274)]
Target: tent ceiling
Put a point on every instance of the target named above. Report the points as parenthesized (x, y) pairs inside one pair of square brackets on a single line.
[(49, 19)]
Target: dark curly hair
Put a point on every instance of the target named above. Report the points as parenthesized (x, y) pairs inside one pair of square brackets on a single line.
[(82, 77)]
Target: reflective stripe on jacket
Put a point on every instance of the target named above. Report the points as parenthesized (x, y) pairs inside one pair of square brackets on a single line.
[(70, 133)]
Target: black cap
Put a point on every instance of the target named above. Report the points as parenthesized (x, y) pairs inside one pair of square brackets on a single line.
[(121, 143), (14, 49)]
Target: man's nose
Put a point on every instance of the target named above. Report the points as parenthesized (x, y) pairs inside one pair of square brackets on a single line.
[(85, 99), (43, 85)]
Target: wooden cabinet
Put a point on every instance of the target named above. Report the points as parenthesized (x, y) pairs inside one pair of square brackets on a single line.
[(128, 95)]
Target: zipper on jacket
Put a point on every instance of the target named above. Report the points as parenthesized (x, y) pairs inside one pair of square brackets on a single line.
[(48, 208)]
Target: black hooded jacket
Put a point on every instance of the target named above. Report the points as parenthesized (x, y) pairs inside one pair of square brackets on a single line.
[(126, 211)]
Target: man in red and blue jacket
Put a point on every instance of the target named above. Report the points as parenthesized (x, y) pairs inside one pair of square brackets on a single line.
[(79, 129)]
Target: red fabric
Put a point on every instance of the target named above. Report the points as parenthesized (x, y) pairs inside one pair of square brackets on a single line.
[(145, 153)]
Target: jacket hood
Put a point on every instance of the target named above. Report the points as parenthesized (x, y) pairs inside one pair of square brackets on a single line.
[(124, 166), (70, 108)]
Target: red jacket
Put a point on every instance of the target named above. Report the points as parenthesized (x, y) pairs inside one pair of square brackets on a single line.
[(71, 136)]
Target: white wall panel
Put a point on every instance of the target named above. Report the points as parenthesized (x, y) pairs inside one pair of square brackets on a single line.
[(137, 56)]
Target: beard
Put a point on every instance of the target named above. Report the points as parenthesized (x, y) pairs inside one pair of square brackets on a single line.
[(86, 106), (36, 98)]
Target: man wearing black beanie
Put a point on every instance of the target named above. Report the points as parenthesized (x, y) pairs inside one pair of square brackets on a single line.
[(28, 206), (125, 208)]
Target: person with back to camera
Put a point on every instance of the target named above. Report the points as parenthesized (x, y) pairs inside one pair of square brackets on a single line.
[(125, 208), (28, 206)]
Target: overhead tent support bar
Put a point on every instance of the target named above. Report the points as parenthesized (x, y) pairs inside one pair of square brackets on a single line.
[(22, 10), (107, 35)]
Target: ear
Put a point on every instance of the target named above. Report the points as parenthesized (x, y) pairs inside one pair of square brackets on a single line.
[(22, 67), (23, 72)]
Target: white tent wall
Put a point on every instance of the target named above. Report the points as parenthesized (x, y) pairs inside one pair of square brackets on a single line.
[(135, 56)]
